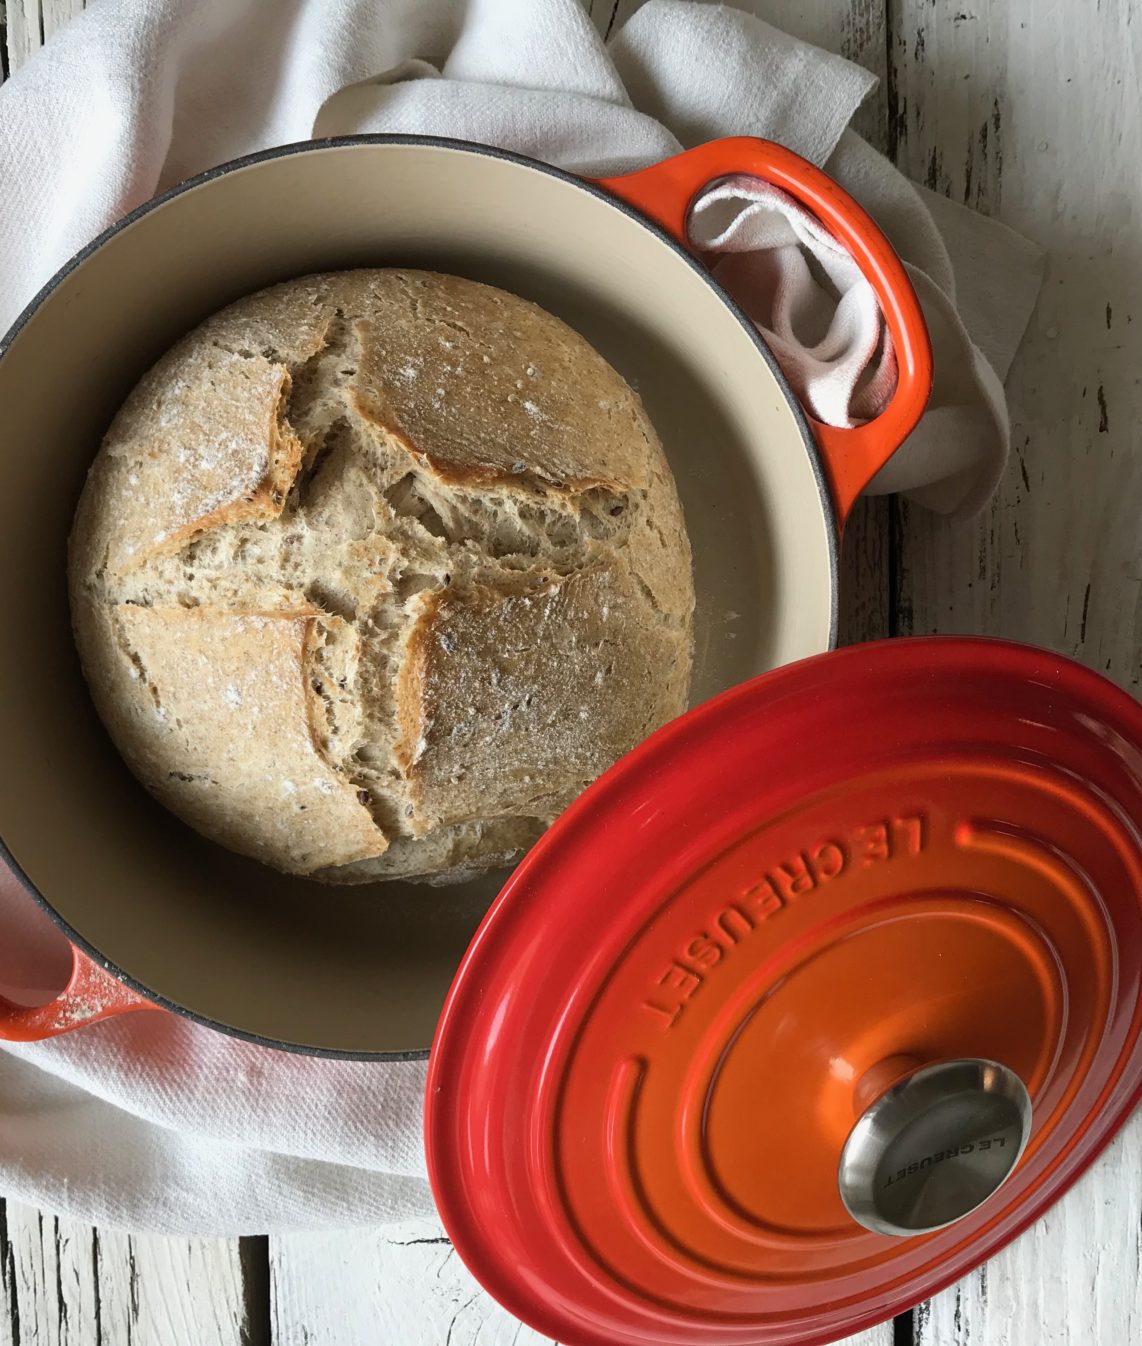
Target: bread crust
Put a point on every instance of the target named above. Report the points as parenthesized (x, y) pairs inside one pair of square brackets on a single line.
[(375, 571)]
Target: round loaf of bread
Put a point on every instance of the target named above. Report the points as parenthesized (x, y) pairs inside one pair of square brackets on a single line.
[(375, 571)]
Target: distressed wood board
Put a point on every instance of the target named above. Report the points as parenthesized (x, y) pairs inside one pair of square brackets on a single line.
[(1029, 111), (1026, 109), (63, 1283)]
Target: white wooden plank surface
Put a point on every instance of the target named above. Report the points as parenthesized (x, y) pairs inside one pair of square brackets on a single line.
[(1058, 560), (1031, 112), (1074, 1277), (403, 1286), (1038, 122), (63, 1283), (24, 32), (30, 23), (55, 13)]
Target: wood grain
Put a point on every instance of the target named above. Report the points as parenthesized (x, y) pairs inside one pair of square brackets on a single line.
[(1038, 124), (24, 33), (1074, 1278), (55, 13), (1035, 120), (403, 1286), (29, 23), (63, 1283)]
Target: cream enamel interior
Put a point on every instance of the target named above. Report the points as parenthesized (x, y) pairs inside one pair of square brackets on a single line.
[(361, 970)]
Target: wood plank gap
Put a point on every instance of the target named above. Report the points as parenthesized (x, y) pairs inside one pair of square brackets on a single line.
[(96, 1270), (903, 1330), (893, 120), (8, 1274), (899, 613), (61, 1300), (893, 117), (254, 1260), (132, 1291)]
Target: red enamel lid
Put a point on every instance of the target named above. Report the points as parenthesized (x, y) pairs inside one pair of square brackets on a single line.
[(776, 917)]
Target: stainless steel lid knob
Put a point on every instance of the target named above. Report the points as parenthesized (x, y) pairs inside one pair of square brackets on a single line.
[(934, 1146)]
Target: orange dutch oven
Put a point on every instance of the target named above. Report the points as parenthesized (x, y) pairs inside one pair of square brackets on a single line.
[(816, 998)]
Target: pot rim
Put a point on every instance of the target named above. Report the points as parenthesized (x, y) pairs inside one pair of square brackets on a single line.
[(809, 443)]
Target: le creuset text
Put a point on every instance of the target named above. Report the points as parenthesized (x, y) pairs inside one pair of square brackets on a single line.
[(874, 843), (999, 1141)]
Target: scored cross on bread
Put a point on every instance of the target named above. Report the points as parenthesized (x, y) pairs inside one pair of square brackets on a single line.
[(376, 571)]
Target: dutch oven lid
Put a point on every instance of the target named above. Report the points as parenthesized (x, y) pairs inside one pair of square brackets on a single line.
[(809, 1005)]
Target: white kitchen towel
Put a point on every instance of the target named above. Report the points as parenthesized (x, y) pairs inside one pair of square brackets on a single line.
[(806, 293), (152, 1122)]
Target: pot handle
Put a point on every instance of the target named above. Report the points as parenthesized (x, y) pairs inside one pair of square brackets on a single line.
[(665, 193), (91, 994)]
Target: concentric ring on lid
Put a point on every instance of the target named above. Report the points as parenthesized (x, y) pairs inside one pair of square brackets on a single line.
[(652, 1055)]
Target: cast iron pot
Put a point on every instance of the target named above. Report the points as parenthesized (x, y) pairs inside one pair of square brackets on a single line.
[(160, 918)]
